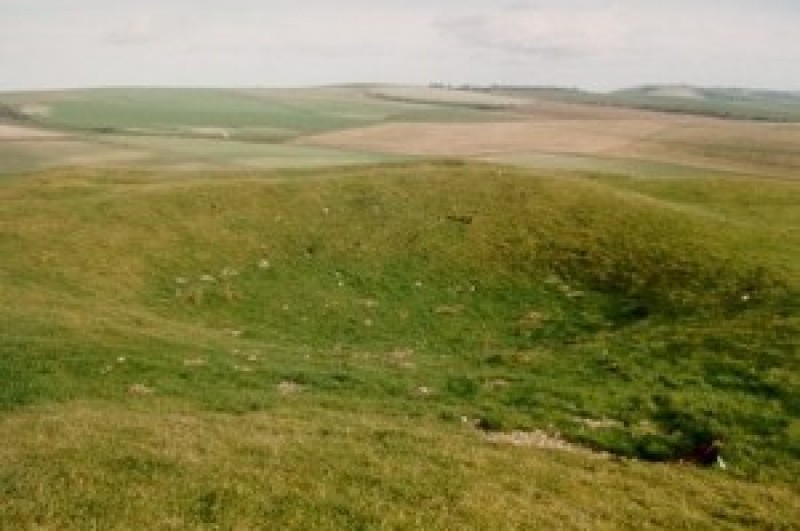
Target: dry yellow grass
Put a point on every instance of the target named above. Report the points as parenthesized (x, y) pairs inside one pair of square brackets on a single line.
[(152, 464)]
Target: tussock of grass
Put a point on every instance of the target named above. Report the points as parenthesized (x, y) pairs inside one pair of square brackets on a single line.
[(424, 292)]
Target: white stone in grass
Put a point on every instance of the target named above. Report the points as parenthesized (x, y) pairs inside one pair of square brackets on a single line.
[(140, 389), (264, 264), (288, 387)]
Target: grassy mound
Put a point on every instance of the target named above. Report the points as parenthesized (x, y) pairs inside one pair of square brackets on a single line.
[(622, 317)]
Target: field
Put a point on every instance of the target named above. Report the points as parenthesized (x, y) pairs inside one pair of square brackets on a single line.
[(337, 329), (214, 129)]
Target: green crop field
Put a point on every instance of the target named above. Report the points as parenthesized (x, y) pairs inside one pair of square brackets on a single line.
[(201, 332), (291, 112), (203, 128)]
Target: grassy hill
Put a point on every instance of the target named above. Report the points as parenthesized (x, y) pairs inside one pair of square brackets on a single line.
[(432, 344), (736, 103), (731, 103)]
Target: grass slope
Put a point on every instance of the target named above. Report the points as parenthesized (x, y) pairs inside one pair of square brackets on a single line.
[(301, 348)]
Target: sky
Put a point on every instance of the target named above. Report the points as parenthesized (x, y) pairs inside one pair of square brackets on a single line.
[(591, 44)]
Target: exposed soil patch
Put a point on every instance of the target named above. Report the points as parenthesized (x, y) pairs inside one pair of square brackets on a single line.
[(18, 132), (574, 136), (600, 424), (288, 387), (539, 439)]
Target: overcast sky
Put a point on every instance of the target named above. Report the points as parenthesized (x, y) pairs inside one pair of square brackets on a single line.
[(597, 44)]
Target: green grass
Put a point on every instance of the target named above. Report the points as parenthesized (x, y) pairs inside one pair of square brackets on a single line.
[(605, 165), (282, 113), (164, 108), (312, 340)]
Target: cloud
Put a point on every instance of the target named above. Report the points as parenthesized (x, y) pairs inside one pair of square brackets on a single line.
[(523, 30), (138, 30)]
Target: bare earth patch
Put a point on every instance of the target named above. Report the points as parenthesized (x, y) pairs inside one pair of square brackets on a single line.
[(600, 424), (18, 132), (36, 109), (402, 358), (574, 136), (725, 145), (140, 389), (539, 439), (288, 387)]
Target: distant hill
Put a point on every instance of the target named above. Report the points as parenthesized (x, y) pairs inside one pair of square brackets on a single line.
[(722, 102)]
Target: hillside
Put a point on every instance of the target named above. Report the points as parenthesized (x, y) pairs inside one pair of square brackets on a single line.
[(729, 103), (360, 347), (373, 306)]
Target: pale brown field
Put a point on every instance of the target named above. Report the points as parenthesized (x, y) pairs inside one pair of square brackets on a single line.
[(371, 122), (738, 146), (560, 136), (10, 132), (759, 148)]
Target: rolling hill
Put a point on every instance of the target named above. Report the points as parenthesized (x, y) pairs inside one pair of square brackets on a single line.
[(250, 308)]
